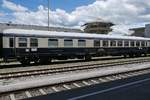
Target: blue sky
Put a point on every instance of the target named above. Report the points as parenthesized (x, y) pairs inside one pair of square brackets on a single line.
[(67, 5)]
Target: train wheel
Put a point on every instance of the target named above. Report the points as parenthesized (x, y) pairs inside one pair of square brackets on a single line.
[(131, 55), (138, 55), (125, 56), (80, 57), (145, 54), (88, 57), (25, 62), (37, 61)]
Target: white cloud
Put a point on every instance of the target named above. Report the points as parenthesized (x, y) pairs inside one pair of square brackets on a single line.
[(123, 13), (13, 6), (2, 14)]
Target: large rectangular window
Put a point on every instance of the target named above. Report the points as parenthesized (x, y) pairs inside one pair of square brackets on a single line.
[(11, 42), (142, 43), (96, 43), (81, 43), (146, 43), (120, 43), (137, 43), (132, 43), (126, 43), (113, 43), (22, 42), (105, 43), (68, 43), (52, 43), (33, 42)]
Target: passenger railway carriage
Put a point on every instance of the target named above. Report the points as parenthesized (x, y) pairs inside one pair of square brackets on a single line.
[(43, 46)]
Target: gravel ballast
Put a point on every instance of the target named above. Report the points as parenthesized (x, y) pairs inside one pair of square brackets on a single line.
[(68, 77)]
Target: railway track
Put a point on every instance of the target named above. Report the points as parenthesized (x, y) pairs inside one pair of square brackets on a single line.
[(13, 65), (16, 65), (61, 69), (67, 85), (43, 90)]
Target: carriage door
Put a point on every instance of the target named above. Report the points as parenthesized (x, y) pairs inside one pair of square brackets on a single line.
[(33, 45), (1, 45), (12, 45)]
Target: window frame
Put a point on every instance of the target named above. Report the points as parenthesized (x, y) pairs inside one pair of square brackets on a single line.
[(142, 43), (11, 45), (112, 42), (105, 43), (126, 43), (132, 43), (80, 41), (146, 43), (119, 42), (97, 41), (31, 42), (53, 46), (25, 43), (137, 43), (65, 42)]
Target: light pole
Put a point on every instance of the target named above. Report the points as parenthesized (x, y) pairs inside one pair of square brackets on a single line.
[(48, 13)]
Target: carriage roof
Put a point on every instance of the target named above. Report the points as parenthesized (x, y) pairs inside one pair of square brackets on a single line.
[(39, 33)]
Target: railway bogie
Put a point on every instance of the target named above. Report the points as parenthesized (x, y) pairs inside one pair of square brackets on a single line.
[(43, 46)]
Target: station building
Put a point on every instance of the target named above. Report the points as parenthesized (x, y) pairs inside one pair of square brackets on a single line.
[(99, 27), (141, 31)]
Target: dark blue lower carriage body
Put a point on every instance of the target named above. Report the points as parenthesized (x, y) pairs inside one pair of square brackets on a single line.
[(65, 53)]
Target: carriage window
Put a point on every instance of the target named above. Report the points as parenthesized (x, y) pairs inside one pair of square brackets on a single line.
[(22, 42), (112, 43), (81, 43), (137, 43), (68, 43), (132, 43), (126, 43), (119, 43), (52, 43), (145, 44), (11, 42), (96, 43), (142, 43), (105, 43), (33, 42), (148, 44)]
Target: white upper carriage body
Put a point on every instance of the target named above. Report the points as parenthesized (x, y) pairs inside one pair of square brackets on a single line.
[(40, 33), (44, 36)]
